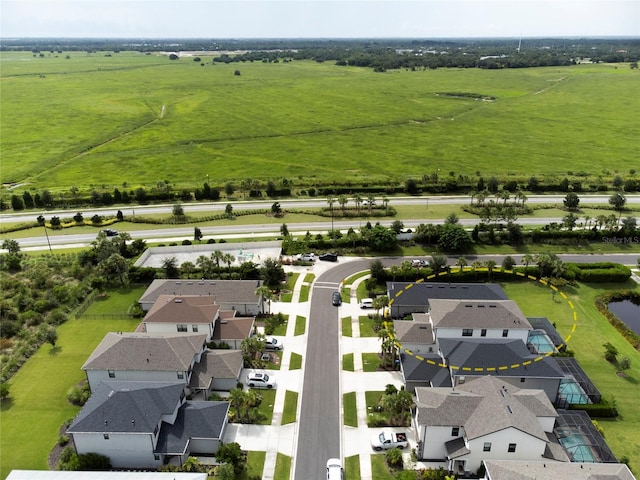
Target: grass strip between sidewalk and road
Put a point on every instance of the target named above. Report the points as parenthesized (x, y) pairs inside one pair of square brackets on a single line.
[(347, 362), (290, 407), (347, 329), (352, 467), (295, 363), (283, 467), (349, 409), (301, 325)]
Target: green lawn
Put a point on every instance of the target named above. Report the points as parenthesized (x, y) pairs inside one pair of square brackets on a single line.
[(266, 406), (364, 126), (379, 469), (364, 273), (347, 362), (372, 398), (292, 278), (346, 327), (304, 293), (275, 365), (352, 467), (296, 361), (370, 362), (38, 406), (350, 412), (255, 465), (309, 277), (290, 406), (283, 467), (366, 326), (592, 331), (301, 325)]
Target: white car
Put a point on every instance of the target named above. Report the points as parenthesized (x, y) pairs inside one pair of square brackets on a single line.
[(307, 257), (260, 380), (272, 343), (334, 469), (366, 303)]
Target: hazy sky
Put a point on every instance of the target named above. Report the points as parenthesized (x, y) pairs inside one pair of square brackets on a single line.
[(318, 18)]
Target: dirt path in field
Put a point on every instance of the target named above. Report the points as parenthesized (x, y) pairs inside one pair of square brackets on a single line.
[(555, 84)]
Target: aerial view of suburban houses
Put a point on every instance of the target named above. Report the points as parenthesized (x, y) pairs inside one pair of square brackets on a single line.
[(486, 396)]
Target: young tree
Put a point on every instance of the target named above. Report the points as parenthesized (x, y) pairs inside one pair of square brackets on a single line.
[(188, 268), (177, 210), (197, 234), (228, 210), (265, 294), (170, 266), (276, 209), (11, 246), (571, 201), (617, 201), (284, 230), (461, 262), (508, 263)]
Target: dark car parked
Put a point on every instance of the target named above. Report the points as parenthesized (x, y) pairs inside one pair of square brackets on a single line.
[(329, 257), (336, 299)]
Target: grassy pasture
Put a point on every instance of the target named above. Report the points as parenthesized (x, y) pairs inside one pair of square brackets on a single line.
[(94, 121)]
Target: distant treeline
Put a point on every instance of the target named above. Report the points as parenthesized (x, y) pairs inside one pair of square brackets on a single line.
[(380, 54)]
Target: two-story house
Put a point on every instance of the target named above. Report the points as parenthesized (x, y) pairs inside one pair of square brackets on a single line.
[(182, 314)]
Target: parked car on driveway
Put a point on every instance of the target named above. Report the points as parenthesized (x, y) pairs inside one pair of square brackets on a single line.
[(387, 439), (366, 303), (336, 299), (260, 380), (329, 257), (306, 257), (272, 343)]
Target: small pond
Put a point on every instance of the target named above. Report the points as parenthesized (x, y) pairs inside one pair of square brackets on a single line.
[(628, 312)]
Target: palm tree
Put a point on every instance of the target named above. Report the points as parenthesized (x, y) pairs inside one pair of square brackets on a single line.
[(188, 268), (343, 200), (265, 293), (217, 256), (228, 259), (461, 262), (394, 270), (491, 264), (527, 259), (385, 203), (405, 268), (371, 198), (357, 198), (206, 265)]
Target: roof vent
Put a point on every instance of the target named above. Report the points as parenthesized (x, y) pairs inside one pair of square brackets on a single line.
[(509, 410), (492, 306), (480, 306), (468, 305), (178, 283), (189, 283)]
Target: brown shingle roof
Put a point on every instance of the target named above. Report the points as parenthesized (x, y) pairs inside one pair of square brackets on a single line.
[(235, 328), (228, 291), (477, 313), (183, 309), (143, 351)]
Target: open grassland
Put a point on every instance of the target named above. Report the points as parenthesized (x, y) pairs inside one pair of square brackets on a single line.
[(38, 406), (90, 121), (592, 331)]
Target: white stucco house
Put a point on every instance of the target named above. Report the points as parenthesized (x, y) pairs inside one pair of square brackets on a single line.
[(182, 314), (484, 419), (145, 357)]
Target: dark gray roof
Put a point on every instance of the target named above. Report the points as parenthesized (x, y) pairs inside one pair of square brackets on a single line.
[(416, 370), (499, 314), (456, 448), (225, 291), (485, 405), (145, 351), (127, 407), (422, 293), (203, 420), (494, 353)]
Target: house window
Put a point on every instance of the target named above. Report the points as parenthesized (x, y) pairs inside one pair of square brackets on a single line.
[(106, 436), (194, 328), (181, 327), (486, 447), (455, 431), (521, 379), (112, 374), (505, 333), (156, 456), (483, 332), (155, 433), (512, 448), (467, 332), (461, 379), (180, 375)]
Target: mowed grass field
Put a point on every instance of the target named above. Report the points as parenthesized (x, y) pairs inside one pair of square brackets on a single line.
[(592, 331), (92, 121), (38, 407)]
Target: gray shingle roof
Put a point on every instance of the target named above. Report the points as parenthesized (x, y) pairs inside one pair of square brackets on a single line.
[(235, 328), (477, 314), (204, 420), (417, 331), (493, 353), (183, 309), (423, 293), (527, 470), (415, 370), (144, 351), (227, 291), (127, 407), (485, 405), (222, 364)]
